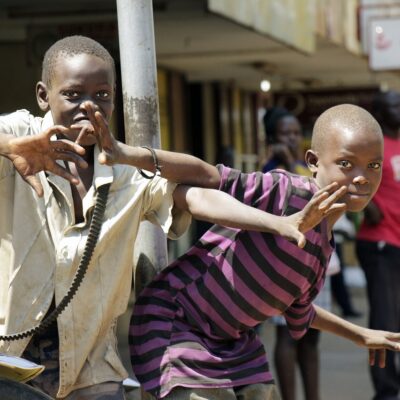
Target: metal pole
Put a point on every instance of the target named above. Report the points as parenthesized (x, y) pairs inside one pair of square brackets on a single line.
[(141, 114), (139, 72), (142, 127)]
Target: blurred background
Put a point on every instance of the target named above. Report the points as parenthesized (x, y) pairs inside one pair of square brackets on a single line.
[(214, 56), (220, 65)]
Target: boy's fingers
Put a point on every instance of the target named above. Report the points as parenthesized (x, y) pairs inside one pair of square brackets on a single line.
[(371, 357), (104, 158), (63, 145), (335, 208), (55, 129), (85, 130), (301, 240), (68, 156), (394, 337), (329, 188), (392, 342), (104, 131), (90, 110), (35, 184), (318, 197), (382, 358), (57, 170), (333, 198)]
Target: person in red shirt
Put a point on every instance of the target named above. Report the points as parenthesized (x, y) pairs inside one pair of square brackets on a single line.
[(378, 244)]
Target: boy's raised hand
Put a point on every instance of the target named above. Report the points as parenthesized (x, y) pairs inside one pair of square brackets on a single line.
[(323, 203), (110, 151), (32, 154)]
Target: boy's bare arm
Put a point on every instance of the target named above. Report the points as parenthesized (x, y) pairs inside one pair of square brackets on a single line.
[(35, 153), (220, 208), (176, 167), (376, 341)]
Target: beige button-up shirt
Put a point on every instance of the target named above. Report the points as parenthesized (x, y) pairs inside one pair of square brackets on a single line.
[(41, 246)]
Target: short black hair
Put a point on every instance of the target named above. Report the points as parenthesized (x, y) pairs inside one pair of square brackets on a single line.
[(70, 46)]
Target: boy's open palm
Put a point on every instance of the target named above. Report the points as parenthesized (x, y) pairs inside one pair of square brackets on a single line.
[(323, 203), (32, 154), (110, 151)]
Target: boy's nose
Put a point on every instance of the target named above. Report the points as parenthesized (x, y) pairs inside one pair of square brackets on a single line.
[(89, 104), (360, 180)]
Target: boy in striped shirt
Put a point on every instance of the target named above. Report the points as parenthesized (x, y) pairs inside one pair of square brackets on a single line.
[(192, 333)]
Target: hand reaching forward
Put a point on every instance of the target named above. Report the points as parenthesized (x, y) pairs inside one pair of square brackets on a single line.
[(322, 204), (377, 343), (110, 149), (32, 154)]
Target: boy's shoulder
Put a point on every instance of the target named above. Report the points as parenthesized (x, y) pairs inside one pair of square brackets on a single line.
[(295, 184), (296, 180), (21, 122)]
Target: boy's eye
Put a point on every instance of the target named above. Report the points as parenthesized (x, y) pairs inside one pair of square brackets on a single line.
[(375, 165), (344, 163), (103, 94), (71, 94)]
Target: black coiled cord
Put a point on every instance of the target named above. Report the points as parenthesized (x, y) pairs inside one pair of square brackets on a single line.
[(93, 235)]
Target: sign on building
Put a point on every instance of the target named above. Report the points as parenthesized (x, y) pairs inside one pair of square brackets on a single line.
[(384, 44)]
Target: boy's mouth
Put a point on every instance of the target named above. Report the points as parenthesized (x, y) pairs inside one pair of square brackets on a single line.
[(359, 194), (81, 120)]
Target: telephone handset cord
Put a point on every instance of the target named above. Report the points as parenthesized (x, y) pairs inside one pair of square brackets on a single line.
[(91, 241)]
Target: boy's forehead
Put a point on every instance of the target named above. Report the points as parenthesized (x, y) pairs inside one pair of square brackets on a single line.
[(345, 139), (78, 63), (79, 58)]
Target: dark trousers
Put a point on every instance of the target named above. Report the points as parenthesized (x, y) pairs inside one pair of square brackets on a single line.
[(381, 264)]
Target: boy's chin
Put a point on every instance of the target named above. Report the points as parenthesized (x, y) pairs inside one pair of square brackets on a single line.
[(355, 207)]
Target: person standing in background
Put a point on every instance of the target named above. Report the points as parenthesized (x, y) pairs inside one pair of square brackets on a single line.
[(284, 138), (378, 244)]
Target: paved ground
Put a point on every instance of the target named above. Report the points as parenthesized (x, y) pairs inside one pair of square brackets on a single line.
[(344, 367)]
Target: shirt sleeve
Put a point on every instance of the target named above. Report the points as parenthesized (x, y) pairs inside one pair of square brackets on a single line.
[(268, 191), (159, 208), (16, 124)]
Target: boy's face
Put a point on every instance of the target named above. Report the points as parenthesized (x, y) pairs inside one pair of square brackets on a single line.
[(353, 159), (77, 79)]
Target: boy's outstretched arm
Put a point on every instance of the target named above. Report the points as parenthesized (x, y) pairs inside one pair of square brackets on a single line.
[(176, 167), (32, 154), (220, 208), (376, 341)]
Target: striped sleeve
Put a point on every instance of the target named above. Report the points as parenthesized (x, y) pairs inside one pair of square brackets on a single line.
[(265, 191)]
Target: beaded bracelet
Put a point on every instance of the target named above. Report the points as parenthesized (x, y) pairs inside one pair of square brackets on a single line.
[(156, 164)]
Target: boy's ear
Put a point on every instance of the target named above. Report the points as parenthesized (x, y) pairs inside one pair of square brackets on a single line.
[(312, 161), (42, 96)]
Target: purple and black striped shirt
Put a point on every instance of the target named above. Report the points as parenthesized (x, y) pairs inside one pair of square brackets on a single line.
[(193, 325)]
